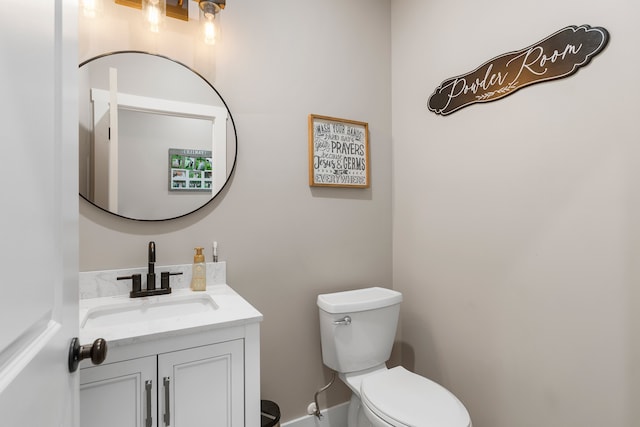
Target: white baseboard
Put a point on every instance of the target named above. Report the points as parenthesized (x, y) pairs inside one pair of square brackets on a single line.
[(336, 416)]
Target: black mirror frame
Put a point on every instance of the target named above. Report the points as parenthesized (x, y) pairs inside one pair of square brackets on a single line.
[(235, 135)]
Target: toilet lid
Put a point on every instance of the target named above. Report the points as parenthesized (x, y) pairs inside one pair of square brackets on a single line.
[(403, 398)]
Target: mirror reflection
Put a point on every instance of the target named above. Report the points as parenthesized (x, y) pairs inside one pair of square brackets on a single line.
[(157, 141)]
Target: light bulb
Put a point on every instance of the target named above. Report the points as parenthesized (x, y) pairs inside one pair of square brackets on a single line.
[(210, 30), (154, 12), (153, 19)]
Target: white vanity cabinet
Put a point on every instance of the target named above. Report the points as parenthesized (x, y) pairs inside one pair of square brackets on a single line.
[(199, 386), (188, 359)]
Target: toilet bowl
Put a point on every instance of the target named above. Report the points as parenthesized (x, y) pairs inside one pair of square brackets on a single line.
[(357, 330)]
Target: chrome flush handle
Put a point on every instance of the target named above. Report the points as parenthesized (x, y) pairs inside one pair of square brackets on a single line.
[(346, 320)]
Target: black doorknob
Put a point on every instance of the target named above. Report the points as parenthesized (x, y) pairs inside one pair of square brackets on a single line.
[(97, 352)]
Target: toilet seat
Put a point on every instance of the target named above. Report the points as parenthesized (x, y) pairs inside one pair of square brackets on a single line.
[(404, 399)]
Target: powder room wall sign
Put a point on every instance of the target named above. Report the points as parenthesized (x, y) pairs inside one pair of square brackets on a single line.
[(338, 152), (559, 55)]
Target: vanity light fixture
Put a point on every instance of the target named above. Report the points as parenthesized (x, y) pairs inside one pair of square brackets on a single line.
[(155, 11), (158, 10), (210, 28)]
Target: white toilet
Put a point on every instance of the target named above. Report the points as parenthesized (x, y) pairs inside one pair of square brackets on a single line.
[(357, 331)]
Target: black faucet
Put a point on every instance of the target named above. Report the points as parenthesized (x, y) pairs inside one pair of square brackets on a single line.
[(136, 289), (151, 271)]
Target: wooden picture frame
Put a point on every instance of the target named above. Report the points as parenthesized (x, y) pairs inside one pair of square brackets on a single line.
[(338, 152)]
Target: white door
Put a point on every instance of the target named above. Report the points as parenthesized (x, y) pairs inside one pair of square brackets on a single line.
[(39, 215)]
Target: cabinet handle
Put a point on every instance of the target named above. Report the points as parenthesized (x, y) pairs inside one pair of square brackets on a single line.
[(149, 420), (167, 415)]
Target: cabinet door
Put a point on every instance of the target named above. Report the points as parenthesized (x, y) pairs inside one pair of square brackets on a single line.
[(202, 386), (119, 394)]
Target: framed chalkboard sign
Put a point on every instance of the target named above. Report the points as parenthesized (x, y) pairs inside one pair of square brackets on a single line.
[(338, 152)]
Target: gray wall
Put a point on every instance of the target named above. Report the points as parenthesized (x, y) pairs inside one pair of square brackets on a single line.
[(283, 241), (516, 223)]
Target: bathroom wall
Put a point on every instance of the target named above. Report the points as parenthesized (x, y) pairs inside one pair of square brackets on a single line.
[(516, 225), (284, 242)]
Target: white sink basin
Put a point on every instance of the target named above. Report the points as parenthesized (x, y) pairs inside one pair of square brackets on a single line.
[(122, 320), (146, 309)]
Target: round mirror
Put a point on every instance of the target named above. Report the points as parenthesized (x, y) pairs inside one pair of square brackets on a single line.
[(157, 140)]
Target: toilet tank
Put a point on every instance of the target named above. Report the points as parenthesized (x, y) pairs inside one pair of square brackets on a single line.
[(366, 340)]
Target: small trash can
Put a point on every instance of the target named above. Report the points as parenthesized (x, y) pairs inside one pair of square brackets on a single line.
[(269, 414)]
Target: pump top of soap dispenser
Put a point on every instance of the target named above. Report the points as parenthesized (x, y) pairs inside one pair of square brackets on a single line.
[(199, 256)]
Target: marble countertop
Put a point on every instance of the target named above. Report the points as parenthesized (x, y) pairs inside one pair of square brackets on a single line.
[(229, 309)]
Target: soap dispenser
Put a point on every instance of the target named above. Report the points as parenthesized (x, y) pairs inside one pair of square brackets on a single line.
[(199, 274)]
